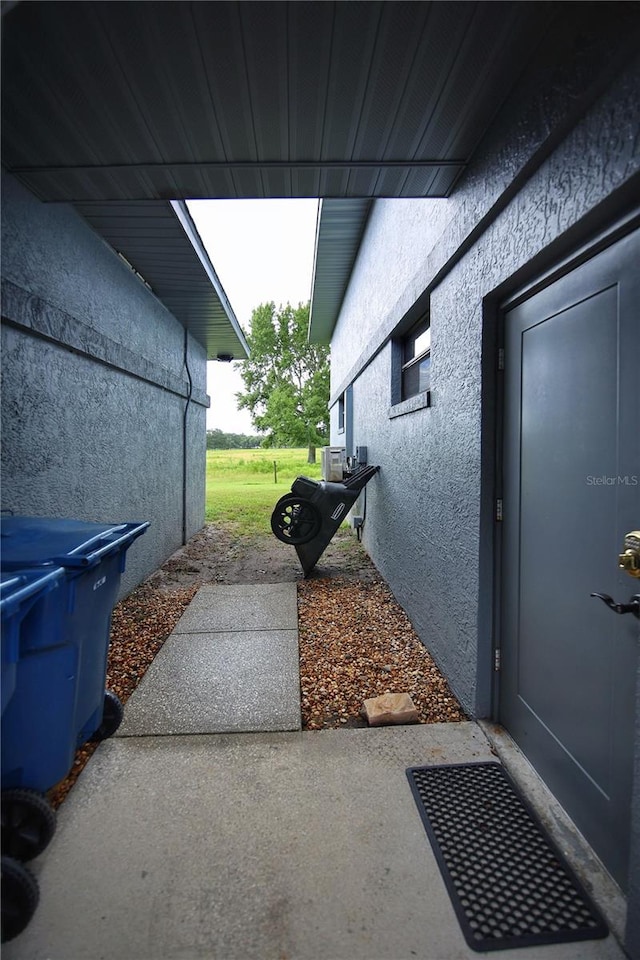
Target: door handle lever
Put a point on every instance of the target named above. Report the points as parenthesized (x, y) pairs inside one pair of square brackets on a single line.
[(633, 606)]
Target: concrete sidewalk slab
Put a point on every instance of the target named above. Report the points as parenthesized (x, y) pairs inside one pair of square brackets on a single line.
[(305, 846), (253, 606), (216, 683), (230, 665)]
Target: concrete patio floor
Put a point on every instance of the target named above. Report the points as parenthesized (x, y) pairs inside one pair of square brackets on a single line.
[(186, 844)]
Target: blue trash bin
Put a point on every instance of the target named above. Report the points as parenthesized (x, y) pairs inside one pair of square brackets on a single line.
[(56, 697), (20, 592), (39, 671)]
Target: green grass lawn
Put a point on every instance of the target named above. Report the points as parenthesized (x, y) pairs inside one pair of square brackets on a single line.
[(241, 488)]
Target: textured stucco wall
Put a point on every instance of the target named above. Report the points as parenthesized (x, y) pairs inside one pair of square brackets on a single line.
[(424, 509), (409, 230), (405, 251), (532, 197), (94, 385)]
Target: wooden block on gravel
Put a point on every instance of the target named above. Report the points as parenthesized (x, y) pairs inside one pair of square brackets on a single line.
[(390, 708)]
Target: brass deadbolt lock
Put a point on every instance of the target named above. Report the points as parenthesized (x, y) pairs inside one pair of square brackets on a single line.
[(630, 559)]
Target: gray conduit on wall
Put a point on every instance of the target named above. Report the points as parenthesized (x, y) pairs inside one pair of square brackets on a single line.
[(184, 438)]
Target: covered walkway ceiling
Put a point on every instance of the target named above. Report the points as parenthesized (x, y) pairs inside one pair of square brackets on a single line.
[(122, 107), (180, 100)]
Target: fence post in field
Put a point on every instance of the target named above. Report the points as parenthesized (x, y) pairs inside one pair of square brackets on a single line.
[(275, 471)]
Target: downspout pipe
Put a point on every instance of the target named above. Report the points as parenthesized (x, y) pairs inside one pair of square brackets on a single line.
[(184, 437)]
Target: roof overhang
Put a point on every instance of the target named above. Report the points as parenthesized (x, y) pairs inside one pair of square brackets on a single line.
[(120, 103), (174, 100), (159, 240), (341, 225)]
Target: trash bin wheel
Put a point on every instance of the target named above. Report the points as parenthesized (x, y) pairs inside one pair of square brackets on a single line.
[(112, 715), (28, 823), (295, 520), (20, 895)]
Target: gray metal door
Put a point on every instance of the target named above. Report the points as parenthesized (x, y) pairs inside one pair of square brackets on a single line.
[(571, 475)]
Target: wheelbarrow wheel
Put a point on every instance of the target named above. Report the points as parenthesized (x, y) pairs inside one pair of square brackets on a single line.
[(295, 520), (28, 823), (20, 895), (112, 715)]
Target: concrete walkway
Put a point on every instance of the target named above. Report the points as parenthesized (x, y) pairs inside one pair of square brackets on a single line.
[(186, 843), (230, 665)]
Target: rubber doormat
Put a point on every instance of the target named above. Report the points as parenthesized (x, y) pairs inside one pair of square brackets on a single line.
[(509, 884)]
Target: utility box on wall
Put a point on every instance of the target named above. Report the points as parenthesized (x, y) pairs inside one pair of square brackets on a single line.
[(333, 463)]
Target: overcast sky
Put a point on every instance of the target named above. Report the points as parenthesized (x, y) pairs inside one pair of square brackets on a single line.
[(262, 250)]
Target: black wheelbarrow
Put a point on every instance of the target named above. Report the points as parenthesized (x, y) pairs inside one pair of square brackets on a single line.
[(308, 517)]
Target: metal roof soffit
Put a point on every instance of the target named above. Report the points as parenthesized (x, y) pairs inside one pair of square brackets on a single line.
[(339, 230), (182, 213)]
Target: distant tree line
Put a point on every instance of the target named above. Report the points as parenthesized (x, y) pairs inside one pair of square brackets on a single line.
[(217, 440)]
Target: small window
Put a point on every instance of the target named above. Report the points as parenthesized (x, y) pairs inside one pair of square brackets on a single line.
[(341, 414), (416, 360)]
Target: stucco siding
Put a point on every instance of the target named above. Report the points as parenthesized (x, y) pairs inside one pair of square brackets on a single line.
[(49, 250), (403, 254), (95, 386), (424, 516), (399, 236), (533, 198)]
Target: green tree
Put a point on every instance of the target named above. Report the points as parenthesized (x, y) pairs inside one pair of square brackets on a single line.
[(286, 379)]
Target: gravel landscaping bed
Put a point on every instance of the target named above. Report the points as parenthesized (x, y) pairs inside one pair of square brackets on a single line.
[(356, 642)]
